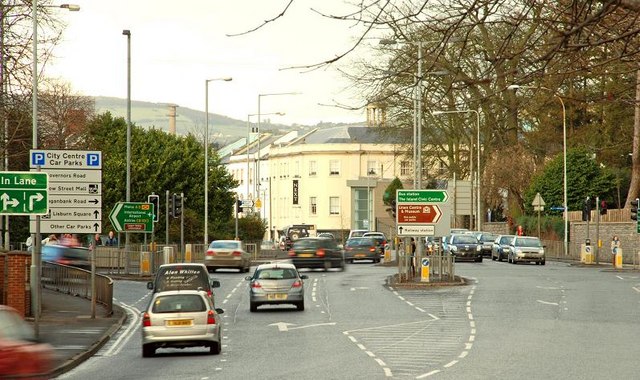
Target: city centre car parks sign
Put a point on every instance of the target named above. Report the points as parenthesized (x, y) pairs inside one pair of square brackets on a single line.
[(132, 217), (422, 212), (75, 190), (24, 193)]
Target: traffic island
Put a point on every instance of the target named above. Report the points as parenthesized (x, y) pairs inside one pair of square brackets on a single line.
[(395, 281)]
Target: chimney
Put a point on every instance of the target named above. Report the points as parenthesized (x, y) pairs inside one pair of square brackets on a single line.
[(172, 118)]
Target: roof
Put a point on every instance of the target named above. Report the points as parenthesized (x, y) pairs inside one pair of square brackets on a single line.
[(344, 134)]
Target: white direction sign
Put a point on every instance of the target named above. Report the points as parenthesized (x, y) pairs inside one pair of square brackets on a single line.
[(422, 230), (75, 190)]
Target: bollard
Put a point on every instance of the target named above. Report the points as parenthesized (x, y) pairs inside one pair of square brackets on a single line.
[(145, 263), (387, 253), (167, 253), (618, 258), (187, 253), (424, 270)]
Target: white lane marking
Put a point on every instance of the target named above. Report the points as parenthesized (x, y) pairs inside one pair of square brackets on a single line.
[(470, 316), (473, 331), (472, 323), (548, 303), (128, 333), (450, 364), (382, 364), (409, 303), (371, 354), (468, 345), (620, 277), (547, 287), (359, 288), (401, 297), (636, 289), (387, 372), (354, 340), (434, 317), (428, 374), (472, 338), (420, 310), (361, 346), (463, 354)]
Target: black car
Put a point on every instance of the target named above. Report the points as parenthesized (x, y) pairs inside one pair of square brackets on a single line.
[(464, 247), (314, 252)]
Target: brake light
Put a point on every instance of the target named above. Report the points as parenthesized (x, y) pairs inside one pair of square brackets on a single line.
[(292, 253), (210, 293), (64, 262), (211, 252), (237, 253), (296, 284), (256, 284), (320, 253), (372, 249), (211, 318), (146, 321)]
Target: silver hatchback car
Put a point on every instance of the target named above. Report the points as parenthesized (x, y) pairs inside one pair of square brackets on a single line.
[(274, 284), (179, 319)]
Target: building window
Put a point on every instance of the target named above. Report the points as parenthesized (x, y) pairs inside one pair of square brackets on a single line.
[(372, 168), (334, 206), (313, 203), (313, 168), (334, 167), (405, 168)]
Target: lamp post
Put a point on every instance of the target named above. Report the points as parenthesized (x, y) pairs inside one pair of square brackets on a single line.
[(34, 279), (248, 138), (206, 155), (127, 33), (564, 156), (478, 210), (260, 96)]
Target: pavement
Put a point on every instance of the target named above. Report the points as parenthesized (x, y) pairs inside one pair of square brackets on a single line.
[(66, 324)]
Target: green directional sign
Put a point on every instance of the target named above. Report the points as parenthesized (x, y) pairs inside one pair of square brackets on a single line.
[(422, 196), (132, 217), (24, 193)]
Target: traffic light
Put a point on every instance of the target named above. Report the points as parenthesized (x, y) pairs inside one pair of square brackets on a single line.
[(394, 207), (155, 201), (238, 206), (634, 209), (176, 205), (586, 211)]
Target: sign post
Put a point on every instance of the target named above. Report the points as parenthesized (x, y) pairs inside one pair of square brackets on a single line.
[(538, 205)]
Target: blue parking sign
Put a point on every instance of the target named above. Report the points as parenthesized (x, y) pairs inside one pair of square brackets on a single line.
[(37, 158), (93, 159)]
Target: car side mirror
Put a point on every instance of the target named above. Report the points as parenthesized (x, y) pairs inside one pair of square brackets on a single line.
[(215, 283), (149, 285), (304, 277), (248, 278), (219, 311)]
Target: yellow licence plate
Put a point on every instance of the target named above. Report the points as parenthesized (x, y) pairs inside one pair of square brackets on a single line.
[(305, 255), (180, 322), (360, 255), (277, 296)]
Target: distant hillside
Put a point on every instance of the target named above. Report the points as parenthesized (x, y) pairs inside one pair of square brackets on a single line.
[(155, 115)]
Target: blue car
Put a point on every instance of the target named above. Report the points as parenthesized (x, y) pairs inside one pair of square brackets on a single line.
[(78, 257)]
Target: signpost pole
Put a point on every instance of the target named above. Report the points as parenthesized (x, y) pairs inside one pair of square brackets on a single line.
[(167, 218)]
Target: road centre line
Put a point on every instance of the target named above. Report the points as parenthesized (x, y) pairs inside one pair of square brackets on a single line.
[(382, 364)]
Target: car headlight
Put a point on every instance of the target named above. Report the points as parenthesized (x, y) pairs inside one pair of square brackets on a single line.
[(518, 252), (478, 248), (542, 251), (453, 248), (506, 249)]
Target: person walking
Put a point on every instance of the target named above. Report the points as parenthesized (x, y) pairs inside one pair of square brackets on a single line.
[(412, 252), (111, 240), (615, 245)]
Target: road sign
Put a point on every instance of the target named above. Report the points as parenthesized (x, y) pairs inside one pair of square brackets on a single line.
[(65, 159), (422, 196), (556, 208), (408, 230), (71, 227), (247, 203), (24, 193), (418, 213), (132, 217)]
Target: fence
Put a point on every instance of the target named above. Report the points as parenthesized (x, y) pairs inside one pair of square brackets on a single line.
[(77, 282)]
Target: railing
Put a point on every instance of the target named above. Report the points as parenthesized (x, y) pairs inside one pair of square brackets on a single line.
[(77, 282)]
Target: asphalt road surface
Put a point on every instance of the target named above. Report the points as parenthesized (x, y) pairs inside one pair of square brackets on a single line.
[(511, 322)]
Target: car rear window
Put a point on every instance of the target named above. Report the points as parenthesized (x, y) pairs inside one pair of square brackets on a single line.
[(277, 274), (224, 244), (182, 278), (179, 303)]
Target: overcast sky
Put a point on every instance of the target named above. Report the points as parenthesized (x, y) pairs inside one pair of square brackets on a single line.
[(176, 46)]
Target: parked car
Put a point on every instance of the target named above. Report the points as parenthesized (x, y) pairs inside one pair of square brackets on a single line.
[(326, 235), (527, 249), (275, 284), (361, 248), (315, 252), (180, 319), (227, 254), (21, 355), (486, 239), (294, 232), (500, 247), (379, 238), (356, 233), (78, 257), (464, 247), (183, 276)]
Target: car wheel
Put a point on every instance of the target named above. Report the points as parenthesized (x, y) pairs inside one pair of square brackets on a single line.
[(509, 259), (499, 258), (542, 262), (300, 306), (342, 266), (253, 306), (148, 351), (214, 348), (479, 260), (493, 257)]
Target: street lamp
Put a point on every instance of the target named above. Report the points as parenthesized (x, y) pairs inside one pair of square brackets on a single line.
[(258, 131), (34, 279), (478, 212), (564, 154), (206, 155), (127, 33), (248, 138)]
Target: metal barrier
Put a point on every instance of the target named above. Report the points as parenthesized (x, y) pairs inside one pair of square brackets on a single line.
[(442, 267), (77, 282)]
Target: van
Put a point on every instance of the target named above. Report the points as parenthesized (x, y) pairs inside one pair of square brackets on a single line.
[(183, 276), (294, 232)]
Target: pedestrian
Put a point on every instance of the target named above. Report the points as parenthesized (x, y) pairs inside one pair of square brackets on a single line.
[(50, 240), (97, 240), (111, 240), (615, 244), (412, 251)]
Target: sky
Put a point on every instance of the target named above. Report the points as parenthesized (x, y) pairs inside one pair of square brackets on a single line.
[(176, 46)]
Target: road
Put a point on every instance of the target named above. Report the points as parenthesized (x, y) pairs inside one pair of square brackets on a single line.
[(512, 321)]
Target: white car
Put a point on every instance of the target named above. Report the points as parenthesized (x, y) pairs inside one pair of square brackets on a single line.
[(180, 319)]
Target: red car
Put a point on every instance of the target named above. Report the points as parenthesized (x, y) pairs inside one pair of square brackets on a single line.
[(20, 354)]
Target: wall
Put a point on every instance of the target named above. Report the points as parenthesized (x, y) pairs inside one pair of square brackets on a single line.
[(14, 288)]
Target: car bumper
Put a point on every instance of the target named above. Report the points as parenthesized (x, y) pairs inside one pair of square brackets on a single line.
[(231, 262), (467, 256), (161, 338), (362, 255), (529, 257), (271, 299), (314, 262)]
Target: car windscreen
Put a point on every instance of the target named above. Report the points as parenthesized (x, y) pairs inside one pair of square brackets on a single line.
[(487, 237), (179, 303), (528, 242), (181, 278), (464, 239), (224, 244)]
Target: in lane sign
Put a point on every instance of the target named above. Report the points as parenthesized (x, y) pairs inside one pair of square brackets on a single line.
[(23, 193)]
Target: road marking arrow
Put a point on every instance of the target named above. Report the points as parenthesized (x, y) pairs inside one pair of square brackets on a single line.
[(282, 326)]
